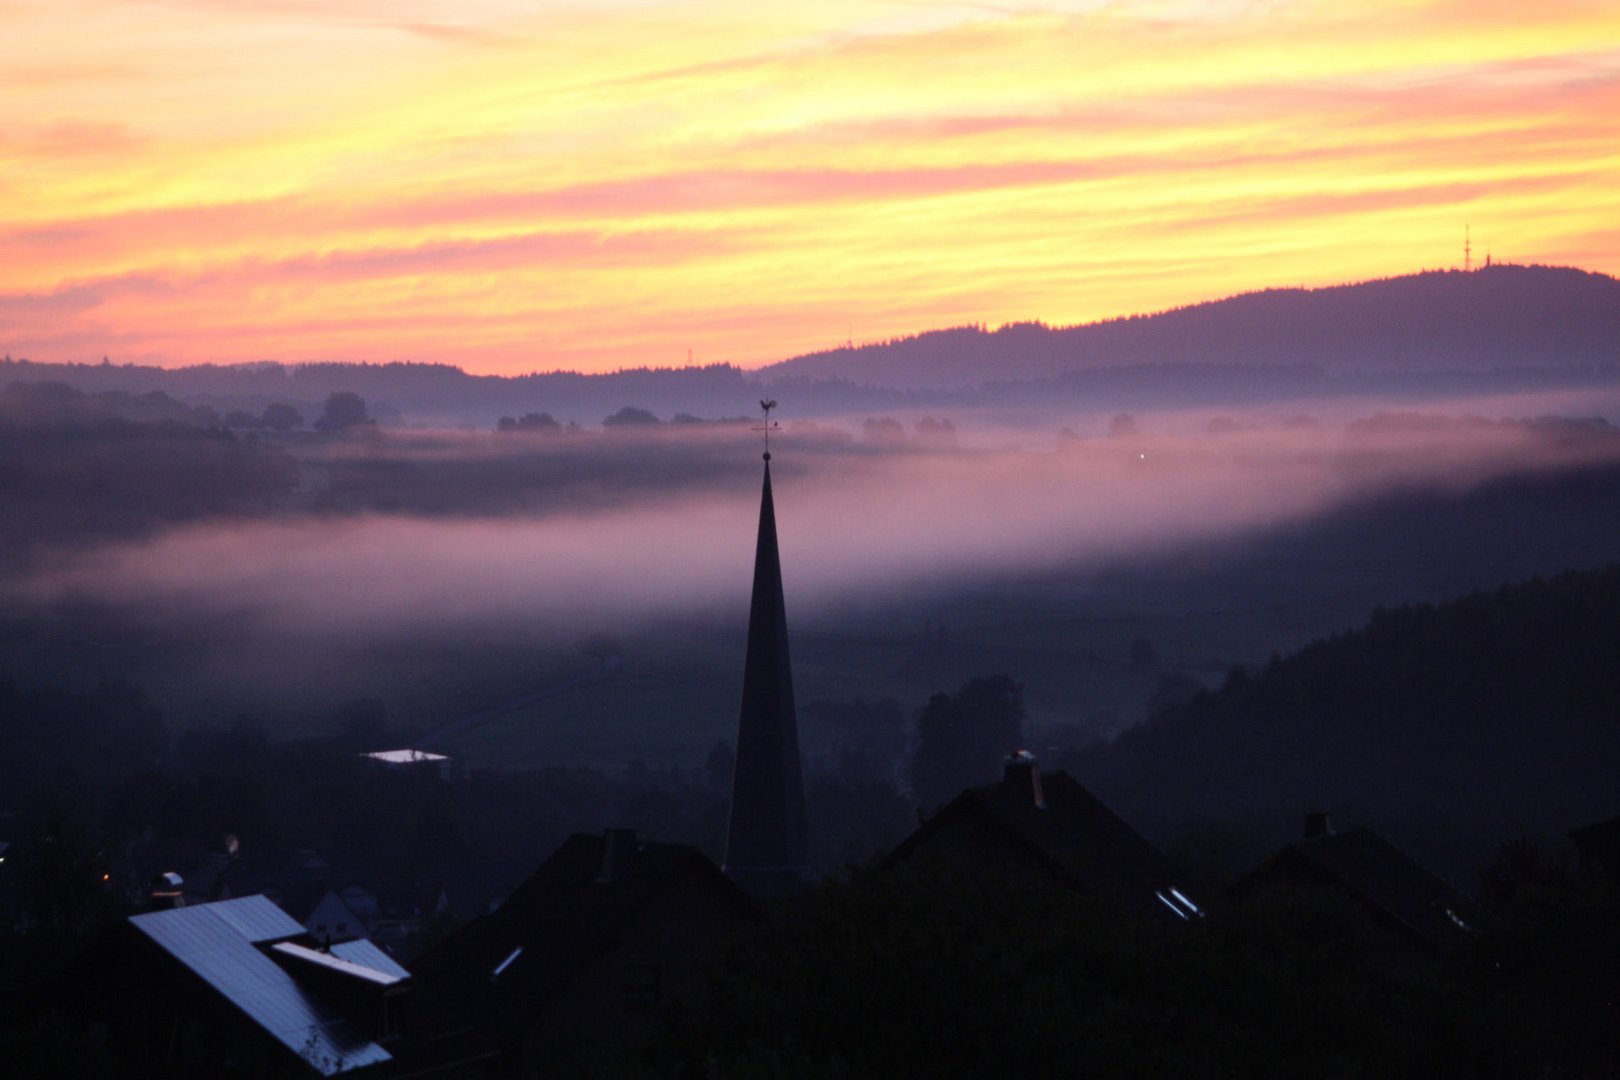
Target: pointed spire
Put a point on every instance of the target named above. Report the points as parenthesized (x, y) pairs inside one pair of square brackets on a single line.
[(766, 849)]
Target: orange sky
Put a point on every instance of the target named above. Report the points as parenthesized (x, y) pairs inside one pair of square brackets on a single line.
[(514, 186)]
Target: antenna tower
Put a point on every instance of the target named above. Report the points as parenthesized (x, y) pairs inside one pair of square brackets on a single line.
[(1468, 251)]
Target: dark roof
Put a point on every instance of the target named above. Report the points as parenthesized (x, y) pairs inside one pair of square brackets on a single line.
[(1598, 843), (1383, 876), (766, 844), (1597, 830), (566, 912), (1073, 835), (221, 944)]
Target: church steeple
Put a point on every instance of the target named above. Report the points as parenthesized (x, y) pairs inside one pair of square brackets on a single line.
[(766, 850)]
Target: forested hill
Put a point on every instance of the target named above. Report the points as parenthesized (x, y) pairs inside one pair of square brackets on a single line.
[(1498, 330), (1502, 316), (418, 393), (1451, 727)]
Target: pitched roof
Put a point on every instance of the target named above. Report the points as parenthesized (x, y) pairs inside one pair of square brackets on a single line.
[(220, 944), (570, 910), (363, 952), (766, 843), (1071, 833), (1598, 843), (1385, 877)]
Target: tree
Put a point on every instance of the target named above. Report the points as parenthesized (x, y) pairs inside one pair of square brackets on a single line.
[(281, 417), (543, 422), (936, 433), (344, 410), (630, 416), (962, 739), (883, 431)]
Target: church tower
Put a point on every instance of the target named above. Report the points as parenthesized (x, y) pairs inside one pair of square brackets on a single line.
[(766, 850)]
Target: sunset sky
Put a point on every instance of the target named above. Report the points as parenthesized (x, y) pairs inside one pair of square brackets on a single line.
[(524, 186)]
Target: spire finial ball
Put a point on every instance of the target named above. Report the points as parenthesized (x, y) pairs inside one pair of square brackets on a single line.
[(767, 455)]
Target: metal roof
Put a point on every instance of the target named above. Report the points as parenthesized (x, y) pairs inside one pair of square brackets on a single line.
[(405, 757), (219, 943), (361, 951), (304, 954)]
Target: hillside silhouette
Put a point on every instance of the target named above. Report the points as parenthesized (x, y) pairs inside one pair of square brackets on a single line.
[(1503, 316), (1498, 330), (1448, 725)]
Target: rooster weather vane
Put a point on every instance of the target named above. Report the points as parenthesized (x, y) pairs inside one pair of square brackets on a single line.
[(767, 406)]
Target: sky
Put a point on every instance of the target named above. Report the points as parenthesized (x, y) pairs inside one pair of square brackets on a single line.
[(524, 186)]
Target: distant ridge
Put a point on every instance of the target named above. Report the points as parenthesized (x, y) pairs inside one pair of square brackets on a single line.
[(1497, 330), (1502, 316)]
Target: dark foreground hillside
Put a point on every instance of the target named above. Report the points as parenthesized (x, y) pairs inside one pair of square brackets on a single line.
[(1450, 726)]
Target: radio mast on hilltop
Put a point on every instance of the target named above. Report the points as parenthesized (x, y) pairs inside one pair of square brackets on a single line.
[(1468, 251)]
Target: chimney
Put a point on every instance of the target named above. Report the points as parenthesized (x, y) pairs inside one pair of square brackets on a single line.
[(618, 849), (1022, 772), (1317, 823), (168, 891)]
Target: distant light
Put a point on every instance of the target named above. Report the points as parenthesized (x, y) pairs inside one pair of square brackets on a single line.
[(1188, 904), (1141, 457), (106, 877)]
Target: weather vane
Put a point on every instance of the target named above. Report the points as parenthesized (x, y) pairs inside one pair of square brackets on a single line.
[(767, 406)]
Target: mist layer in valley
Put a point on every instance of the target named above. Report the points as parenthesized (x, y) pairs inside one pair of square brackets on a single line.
[(580, 597)]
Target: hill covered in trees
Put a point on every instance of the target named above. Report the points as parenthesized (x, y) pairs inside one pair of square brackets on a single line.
[(1497, 330), (1450, 726), (1498, 317)]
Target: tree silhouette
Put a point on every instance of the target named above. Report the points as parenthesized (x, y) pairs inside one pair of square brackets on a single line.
[(630, 416), (962, 739), (344, 410), (281, 417)]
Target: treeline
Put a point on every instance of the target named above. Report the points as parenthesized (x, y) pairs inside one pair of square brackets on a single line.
[(1449, 726), (423, 393), (81, 466), (1503, 317), (86, 467)]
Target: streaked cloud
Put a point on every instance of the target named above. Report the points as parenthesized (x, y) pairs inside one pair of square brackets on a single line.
[(519, 187)]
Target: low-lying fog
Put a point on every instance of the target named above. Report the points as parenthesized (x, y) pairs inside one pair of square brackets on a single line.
[(627, 526)]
